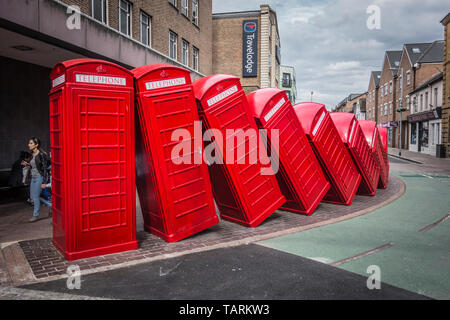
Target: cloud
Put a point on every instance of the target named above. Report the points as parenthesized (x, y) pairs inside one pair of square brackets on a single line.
[(330, 46)]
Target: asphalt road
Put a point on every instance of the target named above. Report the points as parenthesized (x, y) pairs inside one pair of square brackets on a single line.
[(245, 272)]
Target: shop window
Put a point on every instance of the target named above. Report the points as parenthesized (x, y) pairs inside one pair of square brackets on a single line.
[(413, 133)]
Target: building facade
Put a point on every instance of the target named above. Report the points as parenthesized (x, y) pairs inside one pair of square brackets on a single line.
[(446, 87), (372, 96), (288, 82), (37, 34), (387, 95), (247, 44), (425, 119)]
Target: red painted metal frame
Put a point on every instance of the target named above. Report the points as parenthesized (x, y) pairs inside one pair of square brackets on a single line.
[(242, 193), (300, 177), (374, 140), (331, 152), (355, 141), (92, 149), (176, 199)]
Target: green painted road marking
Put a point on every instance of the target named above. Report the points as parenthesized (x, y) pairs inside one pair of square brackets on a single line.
[(418, 261)]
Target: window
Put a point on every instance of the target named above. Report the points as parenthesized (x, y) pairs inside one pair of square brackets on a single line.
[(185, 53), (435, 97), (415, 103), (184, 7), (173, 39), (390, 87), (421, 102), (385, 89), (385, 109), (286, 80), (408, 78), (390, 107), (400, 87), (145, 29), (125, 17), (195, 12), (173, 2), (426, 100), (98, 9), (195, 54)]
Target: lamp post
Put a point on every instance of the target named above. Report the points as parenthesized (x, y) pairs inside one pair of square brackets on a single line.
[(400, 123)]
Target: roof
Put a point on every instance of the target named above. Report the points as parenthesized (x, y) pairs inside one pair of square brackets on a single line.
[(394, 57), (437, 77), (415, 50), (433, 54), (376, 75)]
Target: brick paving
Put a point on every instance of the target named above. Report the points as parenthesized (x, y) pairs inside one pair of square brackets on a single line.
[(45, 261)]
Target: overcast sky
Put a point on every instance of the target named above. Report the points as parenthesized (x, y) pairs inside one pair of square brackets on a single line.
[(331, 47)]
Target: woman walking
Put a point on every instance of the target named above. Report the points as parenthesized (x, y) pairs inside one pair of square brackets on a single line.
[(39, 174)]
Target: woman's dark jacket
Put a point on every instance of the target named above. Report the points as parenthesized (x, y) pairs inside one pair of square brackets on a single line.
[(42, 163)]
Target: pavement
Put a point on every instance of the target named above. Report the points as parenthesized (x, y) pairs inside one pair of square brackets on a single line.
[(421, 162)]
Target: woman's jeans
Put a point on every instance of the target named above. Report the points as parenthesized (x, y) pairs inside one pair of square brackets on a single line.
[(35, 192)]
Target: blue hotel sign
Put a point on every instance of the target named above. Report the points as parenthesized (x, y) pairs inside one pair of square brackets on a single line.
[(250, 48)]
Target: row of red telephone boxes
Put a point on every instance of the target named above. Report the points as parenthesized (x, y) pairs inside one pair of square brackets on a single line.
[(112, 131)]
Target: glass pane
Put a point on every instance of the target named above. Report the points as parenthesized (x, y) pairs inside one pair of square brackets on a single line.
[(123, 22), (97, 10)]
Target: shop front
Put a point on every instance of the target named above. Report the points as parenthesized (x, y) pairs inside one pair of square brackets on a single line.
[(425, 131)]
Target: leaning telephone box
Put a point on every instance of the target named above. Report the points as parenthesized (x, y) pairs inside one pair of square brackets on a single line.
[(92, 149), (331, 152), (355, 141), (300, 177), (374, 140), (173, 185), (242, 192), (384, 141)]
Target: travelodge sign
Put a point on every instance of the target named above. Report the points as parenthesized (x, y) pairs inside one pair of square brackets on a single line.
[(250, 48)]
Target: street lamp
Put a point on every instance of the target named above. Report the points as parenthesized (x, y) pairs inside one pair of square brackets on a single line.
[(400, 124)]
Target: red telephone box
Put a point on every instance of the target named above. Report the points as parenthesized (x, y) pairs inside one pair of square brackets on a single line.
[(355, 141), (92, 150), (331, 152), (374, 140), (243, 194), (174, 189), (300, 177), (384, 141)]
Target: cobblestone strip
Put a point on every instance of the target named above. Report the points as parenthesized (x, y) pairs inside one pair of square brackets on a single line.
[(11, 293), (47, 263)]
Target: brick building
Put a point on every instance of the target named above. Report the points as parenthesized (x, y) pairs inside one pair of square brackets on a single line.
[(372, 96), (37, 34), (387, 94), (247, 44), (446, 87)]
